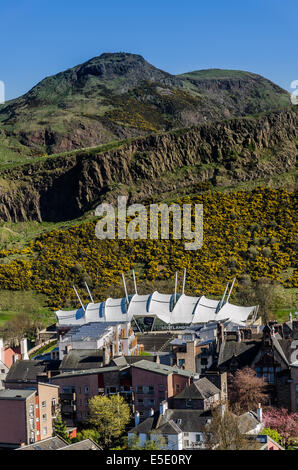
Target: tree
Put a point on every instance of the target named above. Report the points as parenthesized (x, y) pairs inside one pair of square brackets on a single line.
[(87, 434), (273, 434), (246, 390), (109, 416), (133, 443), (60, 428), (264, 292), (223, 433), (285, 423)]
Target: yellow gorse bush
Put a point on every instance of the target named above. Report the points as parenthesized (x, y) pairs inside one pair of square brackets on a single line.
[(244, 232)]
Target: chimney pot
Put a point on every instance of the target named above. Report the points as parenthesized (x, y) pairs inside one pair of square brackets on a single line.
[(260, 413)]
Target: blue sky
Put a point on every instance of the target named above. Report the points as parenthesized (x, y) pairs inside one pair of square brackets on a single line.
[(43, 37)]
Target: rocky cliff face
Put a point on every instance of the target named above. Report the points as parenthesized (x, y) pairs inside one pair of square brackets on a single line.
[(224, 153)]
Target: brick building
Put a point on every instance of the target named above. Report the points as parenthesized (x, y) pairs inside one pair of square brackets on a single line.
[(27, 415), (153, 383)]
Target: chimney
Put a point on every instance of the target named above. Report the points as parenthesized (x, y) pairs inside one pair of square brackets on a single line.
[(163, 407), (220, 333), (222, 409), (260, 413), (15, 358), (157, 359), (238, 336), (137, 418), (24, 348)]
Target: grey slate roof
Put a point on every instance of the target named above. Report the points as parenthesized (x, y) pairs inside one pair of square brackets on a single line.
[(57, 443), (161, 368), (279, 348), (124, 361), (174, 422), (87, 444), (247, 421), (244, 351), (53, 443), (189, 420), (199, 390), (98, 370), (78, 359), (26, 371)]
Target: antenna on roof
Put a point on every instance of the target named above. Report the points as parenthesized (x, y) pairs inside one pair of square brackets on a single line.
[(124, 285), (184, 278), (134, 280), (231, 289), (79, 298), (223, 297), (89, 292)]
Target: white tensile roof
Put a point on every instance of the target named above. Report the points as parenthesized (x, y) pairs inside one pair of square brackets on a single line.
[(205, 310), (183, 310), (138, 305), (187, 309), (234, 313), (160, 306)]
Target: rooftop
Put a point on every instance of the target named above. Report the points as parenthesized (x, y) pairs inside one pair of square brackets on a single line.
[(52, 443), (162, 368), (199, 390), (99, 370), (26, 371), (82, 359), (16, 394)]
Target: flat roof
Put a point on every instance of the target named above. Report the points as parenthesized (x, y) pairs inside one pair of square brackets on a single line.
[(15, 394), (99, 370)]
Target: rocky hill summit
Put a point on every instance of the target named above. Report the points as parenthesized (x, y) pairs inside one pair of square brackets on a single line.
[(120, 95)]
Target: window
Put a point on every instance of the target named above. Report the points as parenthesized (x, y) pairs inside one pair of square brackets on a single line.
[(54, 402), (31, 410), (31, 422), (186, 443), (45, 431), (43, 404), (86, 389), (177, 387), (44, 417), (198, 437), (139, 389), (140, 401), (70, 389), (296, 388), (181, 362)]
